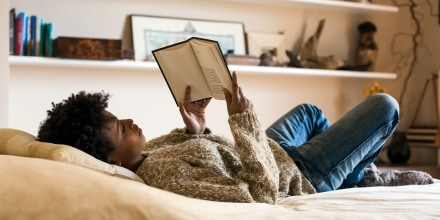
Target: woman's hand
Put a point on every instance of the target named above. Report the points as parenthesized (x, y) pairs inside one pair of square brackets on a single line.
[(235, 100), (193, 113)]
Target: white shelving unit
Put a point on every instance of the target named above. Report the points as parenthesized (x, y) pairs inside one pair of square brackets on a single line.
[(52, 78), (152, 67), (338, 5), (345, 6)]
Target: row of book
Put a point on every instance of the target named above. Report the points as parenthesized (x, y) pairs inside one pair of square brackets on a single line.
[(29, 35)]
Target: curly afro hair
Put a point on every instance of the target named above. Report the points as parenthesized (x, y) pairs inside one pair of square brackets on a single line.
[(77, 121)]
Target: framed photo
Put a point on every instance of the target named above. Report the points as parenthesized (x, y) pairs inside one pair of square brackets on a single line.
[(150, 33), (259, 43)]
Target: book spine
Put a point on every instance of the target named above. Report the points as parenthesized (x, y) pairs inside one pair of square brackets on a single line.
[(41, 47), (12, 19), (48, 40), (19, 25), (33, 36), (25, 34)]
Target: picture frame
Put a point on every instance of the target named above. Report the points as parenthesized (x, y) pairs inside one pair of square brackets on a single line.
[(151, 32), (259, 43)]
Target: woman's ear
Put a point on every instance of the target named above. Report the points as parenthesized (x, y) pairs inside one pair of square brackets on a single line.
[(115, 162)]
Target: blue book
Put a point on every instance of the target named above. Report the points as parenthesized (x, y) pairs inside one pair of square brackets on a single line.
[(33, 36), (25, 33)]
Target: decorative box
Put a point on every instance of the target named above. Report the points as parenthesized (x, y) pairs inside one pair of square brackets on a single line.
[(242, 60), (87, 48)]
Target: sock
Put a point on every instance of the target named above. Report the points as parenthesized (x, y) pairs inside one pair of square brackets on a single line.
[(375, 177)]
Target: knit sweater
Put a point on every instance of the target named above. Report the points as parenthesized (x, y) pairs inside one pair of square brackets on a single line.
[(252, 168)]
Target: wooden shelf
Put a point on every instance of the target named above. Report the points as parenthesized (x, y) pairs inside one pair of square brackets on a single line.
[(23, 61), (338, 5)]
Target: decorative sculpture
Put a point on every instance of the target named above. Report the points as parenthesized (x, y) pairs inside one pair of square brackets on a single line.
[(367, 48), (308, 57)]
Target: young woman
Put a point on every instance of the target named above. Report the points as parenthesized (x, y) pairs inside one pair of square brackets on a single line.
[(301, 153)]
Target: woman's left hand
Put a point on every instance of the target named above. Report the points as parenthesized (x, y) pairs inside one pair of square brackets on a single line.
[(193, 113)]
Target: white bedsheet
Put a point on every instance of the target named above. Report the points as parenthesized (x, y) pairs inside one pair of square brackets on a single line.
[(403, 202)]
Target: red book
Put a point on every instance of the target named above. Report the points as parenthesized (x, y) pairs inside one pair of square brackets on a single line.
[(19, 34)]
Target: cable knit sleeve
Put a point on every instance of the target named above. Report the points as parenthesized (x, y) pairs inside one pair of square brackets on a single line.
[(259, 168), (211, 167)]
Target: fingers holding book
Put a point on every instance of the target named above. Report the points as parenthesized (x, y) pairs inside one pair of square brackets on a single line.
[(193, 113), (236, 101)]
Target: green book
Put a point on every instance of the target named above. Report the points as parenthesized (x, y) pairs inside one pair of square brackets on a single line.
[(48, 40), (42, 38)]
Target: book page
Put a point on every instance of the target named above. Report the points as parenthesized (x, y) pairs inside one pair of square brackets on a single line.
[(180, 68), (213, 66)]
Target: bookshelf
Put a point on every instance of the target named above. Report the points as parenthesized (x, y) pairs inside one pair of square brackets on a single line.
[(26, 61), (51, 78), (326, 5), (348, 7)]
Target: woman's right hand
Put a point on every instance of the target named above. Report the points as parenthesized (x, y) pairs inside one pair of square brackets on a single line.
[(193, 113), (235, 100)]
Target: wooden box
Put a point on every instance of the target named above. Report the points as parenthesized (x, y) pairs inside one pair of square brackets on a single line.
[(87, 48), (242, 60)]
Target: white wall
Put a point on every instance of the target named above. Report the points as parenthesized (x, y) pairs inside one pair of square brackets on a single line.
[(4, 67), (144, 96), (400, 53)]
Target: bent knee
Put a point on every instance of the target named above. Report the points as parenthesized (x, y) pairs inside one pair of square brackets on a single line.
[(386, 102)]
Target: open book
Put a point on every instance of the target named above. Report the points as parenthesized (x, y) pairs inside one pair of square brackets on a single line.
[(196, 62)]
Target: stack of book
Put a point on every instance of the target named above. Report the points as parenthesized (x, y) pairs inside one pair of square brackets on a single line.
[(29, 35), (422, 137)]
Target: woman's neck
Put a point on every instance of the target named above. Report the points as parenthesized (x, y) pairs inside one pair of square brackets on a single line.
[(133, 167)]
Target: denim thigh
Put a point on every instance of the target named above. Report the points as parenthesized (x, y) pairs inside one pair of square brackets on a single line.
[(334, 156)]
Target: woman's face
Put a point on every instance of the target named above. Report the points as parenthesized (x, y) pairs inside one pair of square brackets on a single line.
[(128, 139)]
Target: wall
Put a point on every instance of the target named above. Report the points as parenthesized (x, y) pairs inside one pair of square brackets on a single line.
[(143, 96), (78, 18), (400, 51), (4, 67), (400, 54)]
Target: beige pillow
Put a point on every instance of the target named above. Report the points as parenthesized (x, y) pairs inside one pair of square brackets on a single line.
[(19, 143), (38, 189)]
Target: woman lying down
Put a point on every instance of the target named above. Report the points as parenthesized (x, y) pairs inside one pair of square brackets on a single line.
[(300, 153)]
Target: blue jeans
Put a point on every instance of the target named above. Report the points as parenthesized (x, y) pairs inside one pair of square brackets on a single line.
[(334, 156)]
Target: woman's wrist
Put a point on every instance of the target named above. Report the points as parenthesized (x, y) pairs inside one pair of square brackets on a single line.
[(188, 131)]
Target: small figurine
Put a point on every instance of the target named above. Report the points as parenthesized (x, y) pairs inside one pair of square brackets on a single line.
[(266, 59), (367, 48)]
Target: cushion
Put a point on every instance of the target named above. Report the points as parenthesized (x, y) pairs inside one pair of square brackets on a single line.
[(19, 143), (40, 189)]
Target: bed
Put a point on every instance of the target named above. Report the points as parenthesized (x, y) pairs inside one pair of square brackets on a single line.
[(48, 181)]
